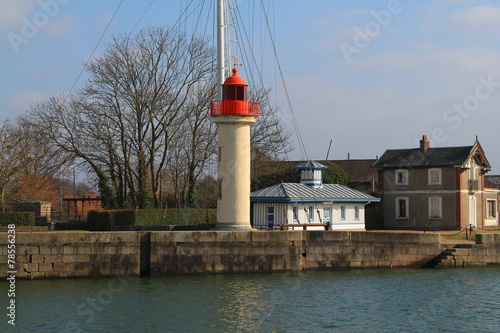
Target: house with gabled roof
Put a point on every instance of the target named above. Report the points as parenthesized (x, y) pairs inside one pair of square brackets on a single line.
[(434, 188), (310, 204)]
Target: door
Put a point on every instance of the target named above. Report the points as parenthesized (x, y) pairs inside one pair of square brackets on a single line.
[(270, 217), (472, 211)]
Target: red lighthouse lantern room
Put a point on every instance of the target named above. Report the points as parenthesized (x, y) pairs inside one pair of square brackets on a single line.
[(234, 99)]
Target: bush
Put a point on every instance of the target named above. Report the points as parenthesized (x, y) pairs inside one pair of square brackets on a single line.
[(188, 216), (101, 220), (19, 219)]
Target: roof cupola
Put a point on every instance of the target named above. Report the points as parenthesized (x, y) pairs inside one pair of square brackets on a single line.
[(311, 173)]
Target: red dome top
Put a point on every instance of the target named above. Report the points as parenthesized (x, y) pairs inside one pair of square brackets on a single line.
[(235, 80)]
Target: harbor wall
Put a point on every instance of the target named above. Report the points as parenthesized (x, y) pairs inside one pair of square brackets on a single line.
[(45, 255)]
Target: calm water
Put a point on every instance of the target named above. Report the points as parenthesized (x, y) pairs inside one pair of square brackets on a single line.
[(450, 300)]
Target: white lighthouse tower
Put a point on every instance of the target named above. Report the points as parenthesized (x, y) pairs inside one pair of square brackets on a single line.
[(234, 114)]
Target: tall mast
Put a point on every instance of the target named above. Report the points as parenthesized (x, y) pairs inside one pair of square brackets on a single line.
[(223, 44)]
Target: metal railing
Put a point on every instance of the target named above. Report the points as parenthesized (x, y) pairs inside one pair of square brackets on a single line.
[(473, 185), (244, 108)]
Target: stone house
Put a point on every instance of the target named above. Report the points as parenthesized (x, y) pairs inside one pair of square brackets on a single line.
[(435, 188), (310, 204)]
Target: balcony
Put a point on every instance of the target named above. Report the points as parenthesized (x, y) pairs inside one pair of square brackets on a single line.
[(473, 185), (234, 107)]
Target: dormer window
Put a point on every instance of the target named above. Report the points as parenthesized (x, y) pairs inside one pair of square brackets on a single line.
[(401, 177)]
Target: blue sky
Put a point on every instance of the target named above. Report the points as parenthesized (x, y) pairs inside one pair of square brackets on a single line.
[(368, 75)]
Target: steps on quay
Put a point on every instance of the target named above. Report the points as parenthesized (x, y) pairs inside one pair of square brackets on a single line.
[(452, 257)]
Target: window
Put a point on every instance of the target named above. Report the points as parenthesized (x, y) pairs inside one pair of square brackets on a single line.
[(327, 213), (435, 211), (356, 212), (342, 213), (270, 215), (434, 176), (295, 214), (310, 212), (401, 177), (402, 208), (491, 209)]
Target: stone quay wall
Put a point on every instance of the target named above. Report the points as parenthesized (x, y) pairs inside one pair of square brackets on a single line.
[(45, 255), (53, 255), (485, 253), (174, 253)]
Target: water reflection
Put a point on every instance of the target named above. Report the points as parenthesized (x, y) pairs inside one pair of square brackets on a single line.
[(451, 300)]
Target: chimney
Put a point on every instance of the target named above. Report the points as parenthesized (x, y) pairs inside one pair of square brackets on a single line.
[(424, 143)]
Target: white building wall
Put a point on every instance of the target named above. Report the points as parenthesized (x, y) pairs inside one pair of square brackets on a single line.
[(491, 221), (283, 214)]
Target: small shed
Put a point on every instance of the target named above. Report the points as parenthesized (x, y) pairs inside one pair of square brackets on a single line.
[(41, 209), (310, 204)]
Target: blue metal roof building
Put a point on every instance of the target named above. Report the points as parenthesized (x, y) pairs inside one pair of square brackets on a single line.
[(310, 202)]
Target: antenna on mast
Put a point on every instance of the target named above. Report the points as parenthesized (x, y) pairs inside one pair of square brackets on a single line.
[(328, 152)]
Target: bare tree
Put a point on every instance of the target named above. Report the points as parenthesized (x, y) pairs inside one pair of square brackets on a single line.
[(27, 164), (142, 119), (123, 124), (268, 134)]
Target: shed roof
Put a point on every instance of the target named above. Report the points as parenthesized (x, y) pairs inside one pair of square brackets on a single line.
[(296, 192)]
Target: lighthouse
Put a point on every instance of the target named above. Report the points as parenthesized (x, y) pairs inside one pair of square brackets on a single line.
[(234, 115)]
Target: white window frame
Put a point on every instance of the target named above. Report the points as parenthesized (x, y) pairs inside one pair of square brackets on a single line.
[(438, 214), (407, 208), (327, 217), (493, 214), (435, 171), (295, 214), (404, 172), (342, 213), (356, 213), (310, 213)]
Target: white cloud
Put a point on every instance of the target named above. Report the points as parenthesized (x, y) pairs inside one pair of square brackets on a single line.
[(13, 11), (476, 22), (25, 99)]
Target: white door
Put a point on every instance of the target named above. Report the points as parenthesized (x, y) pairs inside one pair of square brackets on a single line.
[(472, 211)]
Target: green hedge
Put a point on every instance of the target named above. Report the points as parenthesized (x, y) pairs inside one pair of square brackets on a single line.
[(110, 219), (187, 216), (19, 219)]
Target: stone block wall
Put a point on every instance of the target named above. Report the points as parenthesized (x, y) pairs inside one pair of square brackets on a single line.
[(46, 255), (486, 252), (174, 253), (365, 249), (195, 252), (52, 255)]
